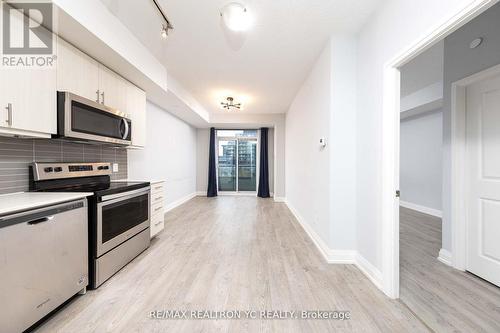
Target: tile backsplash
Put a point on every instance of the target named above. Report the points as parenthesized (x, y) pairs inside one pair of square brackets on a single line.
[(16, 155)]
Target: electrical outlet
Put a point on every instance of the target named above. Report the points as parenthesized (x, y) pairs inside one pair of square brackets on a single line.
[(115, 167)]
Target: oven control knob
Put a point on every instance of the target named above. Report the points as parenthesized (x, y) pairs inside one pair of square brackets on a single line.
[(48, 169), (58, 169), (103, 167)]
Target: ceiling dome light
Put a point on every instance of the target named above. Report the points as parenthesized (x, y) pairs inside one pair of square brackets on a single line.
[(236, 17)]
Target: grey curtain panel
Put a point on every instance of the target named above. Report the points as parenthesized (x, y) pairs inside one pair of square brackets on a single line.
[(263, 191), (212, 176)]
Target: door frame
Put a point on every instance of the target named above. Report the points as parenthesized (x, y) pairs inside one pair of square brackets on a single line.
[(391, 137), (458, 164)]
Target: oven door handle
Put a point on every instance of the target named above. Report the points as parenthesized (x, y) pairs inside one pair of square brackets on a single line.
[(112, 198)]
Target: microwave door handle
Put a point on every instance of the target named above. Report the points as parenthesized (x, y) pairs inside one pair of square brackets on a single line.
[(125, 123)]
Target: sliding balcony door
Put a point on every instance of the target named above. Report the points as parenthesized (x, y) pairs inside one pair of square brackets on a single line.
[(247, 165), (227, 165), (237, 161)]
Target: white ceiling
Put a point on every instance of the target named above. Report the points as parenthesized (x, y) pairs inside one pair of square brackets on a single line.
[(267, 71)]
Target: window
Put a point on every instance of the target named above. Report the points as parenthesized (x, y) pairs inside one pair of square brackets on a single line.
[(237, 160)]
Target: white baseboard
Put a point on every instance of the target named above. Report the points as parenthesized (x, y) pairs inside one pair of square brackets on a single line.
[(237, 194), (179, 202), (445, 257), (332, 256), (279, 199), (371, 272), (422, 209), (201, 194)]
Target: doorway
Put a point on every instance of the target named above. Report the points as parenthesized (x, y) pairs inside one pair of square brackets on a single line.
[(237, 161), (390, 140), (437, 256)]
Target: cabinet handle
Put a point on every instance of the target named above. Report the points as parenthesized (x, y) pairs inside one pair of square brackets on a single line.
[(41, 220), (156, 224), (159, 198), (97, 93), (158, 188), (157, 209), (9, 114), (102, 97)]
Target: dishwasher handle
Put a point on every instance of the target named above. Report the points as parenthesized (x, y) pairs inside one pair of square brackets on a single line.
[(37, 216), (41, 220)]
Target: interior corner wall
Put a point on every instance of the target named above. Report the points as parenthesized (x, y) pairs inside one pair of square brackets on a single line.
[(321, 181), (460, 62), (421, 159), (271, 158), (343, 143), (307, 164), (393, 28), (202, 150), (169, 155)]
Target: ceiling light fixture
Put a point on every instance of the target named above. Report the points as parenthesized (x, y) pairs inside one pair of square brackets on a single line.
[(230, 104), (164, 32), (167, 26), (236, 17)]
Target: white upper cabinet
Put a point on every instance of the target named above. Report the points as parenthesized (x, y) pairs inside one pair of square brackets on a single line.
[(81, 75), (27, 98), (77, 72), (28, 101), (112, 89), (136, 109)]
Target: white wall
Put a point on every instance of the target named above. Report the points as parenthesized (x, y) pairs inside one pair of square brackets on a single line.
[(170, 155), (421, 159), (202, 151), (308, 166), (421, 135), (342, 143), (395, 26), (320, 182)]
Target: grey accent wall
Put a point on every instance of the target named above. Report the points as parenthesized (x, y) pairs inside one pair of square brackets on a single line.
[(460, 62), (17, 154)]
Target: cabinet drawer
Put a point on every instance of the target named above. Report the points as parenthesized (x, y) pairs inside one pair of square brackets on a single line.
[(157, 188), (157, 208), (157, 224), (157, 198)]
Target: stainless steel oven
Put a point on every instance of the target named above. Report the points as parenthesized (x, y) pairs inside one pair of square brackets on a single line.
[(119, 212), (79, 118), (120, 217)]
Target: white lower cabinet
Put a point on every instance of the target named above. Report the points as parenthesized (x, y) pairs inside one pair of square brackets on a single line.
[(157, 207)]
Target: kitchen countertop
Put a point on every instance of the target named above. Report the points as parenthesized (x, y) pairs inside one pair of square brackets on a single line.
[(154, 181), (18, 202)]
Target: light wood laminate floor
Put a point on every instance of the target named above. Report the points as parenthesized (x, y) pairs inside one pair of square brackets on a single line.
[(233, 253), (447, 300)]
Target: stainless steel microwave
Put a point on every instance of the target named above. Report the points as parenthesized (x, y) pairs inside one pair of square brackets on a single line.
[(79, 118)]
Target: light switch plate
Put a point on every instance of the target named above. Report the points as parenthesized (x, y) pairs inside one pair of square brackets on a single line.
[(115, 167)]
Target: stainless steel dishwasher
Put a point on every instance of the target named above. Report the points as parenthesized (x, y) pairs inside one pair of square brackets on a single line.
[(43, 262)]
